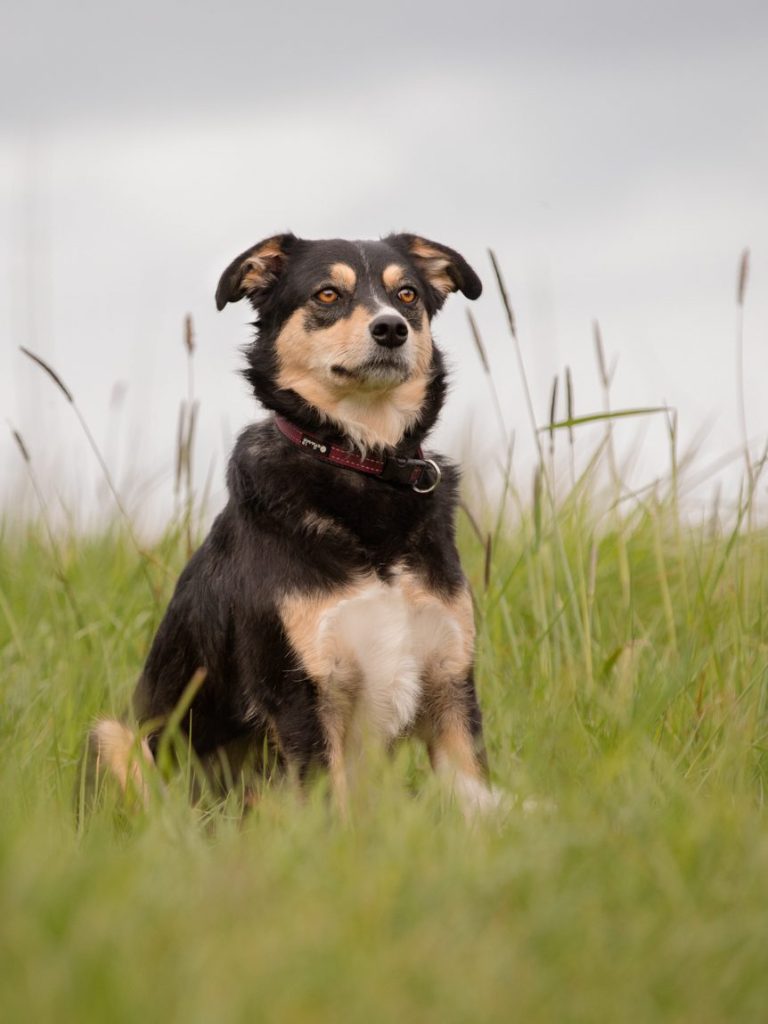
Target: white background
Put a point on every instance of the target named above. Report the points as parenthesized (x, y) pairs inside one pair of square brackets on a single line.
[(614, 156)]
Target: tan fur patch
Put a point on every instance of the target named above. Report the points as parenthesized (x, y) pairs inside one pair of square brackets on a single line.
[(343, 276), (257, 268), (422, 343), (434, 265), (306, 356), (392, 276), (372, 414), (119, 751), (301, 615), (453, 750)]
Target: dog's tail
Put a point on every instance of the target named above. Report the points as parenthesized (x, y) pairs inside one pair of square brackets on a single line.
[(115, 750)]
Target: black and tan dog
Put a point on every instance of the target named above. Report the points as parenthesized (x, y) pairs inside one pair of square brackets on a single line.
[(328, 605)]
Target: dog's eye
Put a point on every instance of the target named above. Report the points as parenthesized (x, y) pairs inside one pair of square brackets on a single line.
[(327, 296), (407, 295)]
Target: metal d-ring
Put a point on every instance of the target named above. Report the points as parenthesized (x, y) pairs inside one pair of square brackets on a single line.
[(436, 481)]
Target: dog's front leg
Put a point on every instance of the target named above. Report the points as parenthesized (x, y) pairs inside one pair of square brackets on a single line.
[(456, 751), (311, 732), (337, 766), (339, 697), (456, 761)]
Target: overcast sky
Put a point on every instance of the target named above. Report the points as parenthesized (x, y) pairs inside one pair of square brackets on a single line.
[(614, 155)]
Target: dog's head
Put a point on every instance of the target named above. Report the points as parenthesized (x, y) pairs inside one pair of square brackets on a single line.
[(344, 329)]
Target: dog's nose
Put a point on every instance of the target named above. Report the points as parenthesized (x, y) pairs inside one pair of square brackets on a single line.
[(390, 331)]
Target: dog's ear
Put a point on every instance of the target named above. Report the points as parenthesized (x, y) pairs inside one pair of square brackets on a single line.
[(254, 271), (445, 269)]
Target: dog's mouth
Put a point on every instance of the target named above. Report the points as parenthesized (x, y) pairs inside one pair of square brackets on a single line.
[(381, 369)]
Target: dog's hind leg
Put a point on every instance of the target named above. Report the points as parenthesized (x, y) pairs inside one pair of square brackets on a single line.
[(114, 749)]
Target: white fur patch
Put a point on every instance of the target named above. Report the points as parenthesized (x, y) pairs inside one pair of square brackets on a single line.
[(391, 311), (387, 643), (477, 798)]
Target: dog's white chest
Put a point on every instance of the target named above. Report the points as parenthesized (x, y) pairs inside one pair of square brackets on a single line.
[(377, 641), (374, 645)]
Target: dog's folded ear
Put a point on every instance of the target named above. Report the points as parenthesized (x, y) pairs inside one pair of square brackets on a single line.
[(445, 269), (254, 271)]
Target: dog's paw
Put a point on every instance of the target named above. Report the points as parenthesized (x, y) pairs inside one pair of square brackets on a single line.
[(479, 800), (536, 805)]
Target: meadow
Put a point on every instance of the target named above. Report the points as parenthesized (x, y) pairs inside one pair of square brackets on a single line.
[(623, 673)]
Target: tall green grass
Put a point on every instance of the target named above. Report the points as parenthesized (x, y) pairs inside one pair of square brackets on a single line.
[(639, 713), (623, 672)]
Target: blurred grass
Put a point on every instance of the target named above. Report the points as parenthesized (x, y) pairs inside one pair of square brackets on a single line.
[(634, 699)]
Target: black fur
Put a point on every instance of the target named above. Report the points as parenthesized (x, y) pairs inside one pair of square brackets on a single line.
[(223, 616)]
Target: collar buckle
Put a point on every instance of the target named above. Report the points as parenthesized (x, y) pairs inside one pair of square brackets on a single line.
[(434, 471), (422, 475)]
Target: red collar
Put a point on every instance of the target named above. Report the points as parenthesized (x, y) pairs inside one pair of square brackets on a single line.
[(422, 475)]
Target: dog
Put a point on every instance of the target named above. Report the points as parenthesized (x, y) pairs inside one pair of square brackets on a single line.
[(327, 607)]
